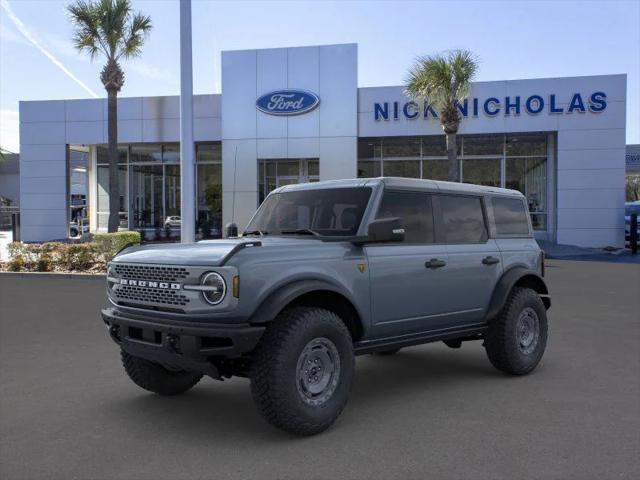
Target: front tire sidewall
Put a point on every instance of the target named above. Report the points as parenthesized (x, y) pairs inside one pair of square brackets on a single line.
[(274, 371)]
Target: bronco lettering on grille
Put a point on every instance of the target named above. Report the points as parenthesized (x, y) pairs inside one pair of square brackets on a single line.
[(150, 284)]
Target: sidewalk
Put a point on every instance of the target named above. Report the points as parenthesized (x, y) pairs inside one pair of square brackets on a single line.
[(573, 252), (6, 237)]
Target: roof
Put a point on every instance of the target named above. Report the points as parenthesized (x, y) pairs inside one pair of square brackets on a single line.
[(401, 182)]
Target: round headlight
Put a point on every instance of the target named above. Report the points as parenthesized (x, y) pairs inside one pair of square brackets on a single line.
[(216, 288)]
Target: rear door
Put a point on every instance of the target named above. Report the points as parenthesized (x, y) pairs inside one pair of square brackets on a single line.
[(408, 288), (475, 263)]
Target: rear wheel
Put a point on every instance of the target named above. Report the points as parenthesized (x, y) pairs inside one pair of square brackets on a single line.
[(302, 370), (516, 340), (155, 378)]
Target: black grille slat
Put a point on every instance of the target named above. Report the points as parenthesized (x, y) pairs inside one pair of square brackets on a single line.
[(151, 295), (153, 273)]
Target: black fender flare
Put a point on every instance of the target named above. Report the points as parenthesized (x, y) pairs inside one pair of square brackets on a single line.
[(506, 283), (277, 300)]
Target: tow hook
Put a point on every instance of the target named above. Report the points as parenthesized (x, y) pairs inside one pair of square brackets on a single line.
[(114, 331), (172, 342)]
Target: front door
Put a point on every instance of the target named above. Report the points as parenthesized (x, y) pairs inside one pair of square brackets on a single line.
[(409, 287)]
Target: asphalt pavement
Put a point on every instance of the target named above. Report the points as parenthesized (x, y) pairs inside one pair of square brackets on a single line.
[(68, 411)]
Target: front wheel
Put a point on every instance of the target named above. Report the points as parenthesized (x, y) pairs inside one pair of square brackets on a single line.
[(302, 370), (516, 340)]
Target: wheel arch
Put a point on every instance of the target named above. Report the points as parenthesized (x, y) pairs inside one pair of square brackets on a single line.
[(311, 293), (516, 277)]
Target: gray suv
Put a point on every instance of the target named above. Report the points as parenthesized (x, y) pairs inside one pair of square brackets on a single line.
[(324, 272)]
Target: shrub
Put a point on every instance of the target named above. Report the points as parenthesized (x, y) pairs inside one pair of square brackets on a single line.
[(16, 263), (79, 256), (111, 243), (44, 263)]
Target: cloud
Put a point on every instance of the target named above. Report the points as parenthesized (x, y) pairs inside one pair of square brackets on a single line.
[(152, 72), (9, 130), (22, 28)]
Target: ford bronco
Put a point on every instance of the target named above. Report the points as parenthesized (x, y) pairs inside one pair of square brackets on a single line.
[(324, 272)]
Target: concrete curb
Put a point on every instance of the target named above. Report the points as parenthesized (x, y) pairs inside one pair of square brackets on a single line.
[(78, 276)]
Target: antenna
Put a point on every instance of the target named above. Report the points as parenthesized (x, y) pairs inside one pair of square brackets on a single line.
[(233, 200)]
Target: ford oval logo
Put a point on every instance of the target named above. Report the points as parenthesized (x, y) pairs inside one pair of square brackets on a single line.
[(287, 102)]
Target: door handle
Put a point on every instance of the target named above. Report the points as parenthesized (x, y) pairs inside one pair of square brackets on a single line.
[(490, 260), (435, 263)]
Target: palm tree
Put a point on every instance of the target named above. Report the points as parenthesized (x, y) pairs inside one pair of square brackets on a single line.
[(112, 29), (444, 81)]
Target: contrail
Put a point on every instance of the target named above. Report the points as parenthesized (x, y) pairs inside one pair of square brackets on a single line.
[(27, 34)]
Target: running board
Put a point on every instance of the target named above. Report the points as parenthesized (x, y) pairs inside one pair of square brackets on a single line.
[(467, 332)]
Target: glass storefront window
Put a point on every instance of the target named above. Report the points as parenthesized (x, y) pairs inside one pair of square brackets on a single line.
[(102, 202), (172, 191), (171, 153), (482, 145), (526, 144), (529, 175), (209, 202), (484, 171), (435, 146), (209, 152), (146, 193), (402, 168), (435, 169), (404, 147), (102, 154), (518, 160), (143, 153), (369, 169)]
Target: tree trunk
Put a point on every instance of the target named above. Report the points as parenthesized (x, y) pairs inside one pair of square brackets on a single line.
[(114, 184), (452, 156)]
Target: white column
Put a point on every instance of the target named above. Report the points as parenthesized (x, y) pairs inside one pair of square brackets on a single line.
[(187, 147)]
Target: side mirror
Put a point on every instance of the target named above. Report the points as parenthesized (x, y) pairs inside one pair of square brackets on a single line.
[(232, 230), (385, 230)]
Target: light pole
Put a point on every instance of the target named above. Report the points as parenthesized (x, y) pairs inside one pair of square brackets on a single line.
[(187, 147)]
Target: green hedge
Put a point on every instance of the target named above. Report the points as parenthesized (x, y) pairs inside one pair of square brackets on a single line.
[(112, 243), (57, 256)]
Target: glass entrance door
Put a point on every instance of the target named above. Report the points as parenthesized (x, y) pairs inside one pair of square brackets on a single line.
[(279, 172)]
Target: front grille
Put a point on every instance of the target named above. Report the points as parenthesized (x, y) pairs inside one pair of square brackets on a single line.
[(151, 272), (159, 296)]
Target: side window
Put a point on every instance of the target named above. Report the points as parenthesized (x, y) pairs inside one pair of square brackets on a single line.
[(415, 211), (510, 216), (463, 219)]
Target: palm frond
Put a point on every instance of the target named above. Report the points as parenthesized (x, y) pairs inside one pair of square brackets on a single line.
[(442, 79), (139, 28)]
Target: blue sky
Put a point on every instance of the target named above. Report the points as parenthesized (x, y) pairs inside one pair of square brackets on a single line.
[(513, 40)]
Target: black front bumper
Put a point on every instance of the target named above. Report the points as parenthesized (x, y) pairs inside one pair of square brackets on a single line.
[(182, 345)]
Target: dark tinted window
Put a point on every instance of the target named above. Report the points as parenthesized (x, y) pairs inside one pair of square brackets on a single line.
[(510, 216), (327, 211), (463, 219), (414, 209)]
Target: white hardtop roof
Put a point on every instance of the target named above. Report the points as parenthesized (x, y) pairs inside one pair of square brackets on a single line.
[(400, 182)]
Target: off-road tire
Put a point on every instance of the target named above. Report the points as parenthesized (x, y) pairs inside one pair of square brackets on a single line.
[(502, 342), (155, 378), (275, 385), (388, 353)]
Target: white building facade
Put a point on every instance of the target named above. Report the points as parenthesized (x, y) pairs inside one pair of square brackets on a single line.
[(296, 114)]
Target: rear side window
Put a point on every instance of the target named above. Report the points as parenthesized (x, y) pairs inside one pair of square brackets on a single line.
[(414, 209), (510, 216), (463, 219)]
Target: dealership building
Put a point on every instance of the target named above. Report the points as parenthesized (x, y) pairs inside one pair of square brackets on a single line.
[(291, 115)]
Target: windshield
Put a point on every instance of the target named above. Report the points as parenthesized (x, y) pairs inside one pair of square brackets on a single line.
[(326, 212)]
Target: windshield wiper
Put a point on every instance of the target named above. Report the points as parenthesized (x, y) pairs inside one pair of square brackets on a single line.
[(301, 231), (254, 232)]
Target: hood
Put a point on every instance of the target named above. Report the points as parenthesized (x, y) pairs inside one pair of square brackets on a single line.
[(204, 253)]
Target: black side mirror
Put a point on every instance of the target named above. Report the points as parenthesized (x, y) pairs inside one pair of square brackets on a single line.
[(385, 230), (232, 230)]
